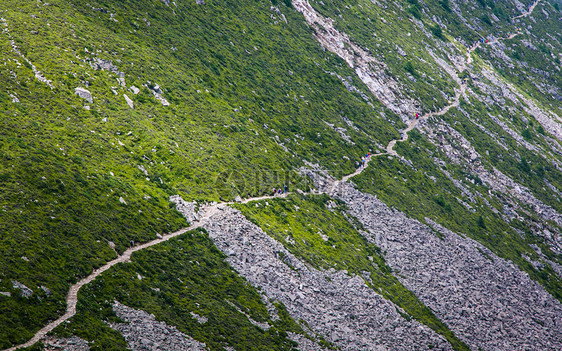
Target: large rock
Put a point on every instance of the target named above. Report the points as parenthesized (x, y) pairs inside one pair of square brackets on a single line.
[(84, 94), (73, 343), (129, 101), (25, 291)]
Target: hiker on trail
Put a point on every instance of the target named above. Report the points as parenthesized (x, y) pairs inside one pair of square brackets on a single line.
[(274, 191), (132, 243), (279, 191), (286, 188)]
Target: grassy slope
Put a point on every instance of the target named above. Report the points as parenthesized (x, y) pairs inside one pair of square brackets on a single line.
[(64, 169), (177, 278), (410, 188), (537, 64)]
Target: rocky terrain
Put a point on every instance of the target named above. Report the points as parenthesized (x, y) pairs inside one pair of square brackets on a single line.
[(333, 304), (73, 343), (484, 299), (143, 332)]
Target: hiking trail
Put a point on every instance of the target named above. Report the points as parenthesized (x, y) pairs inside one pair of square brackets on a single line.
[(208, 211)]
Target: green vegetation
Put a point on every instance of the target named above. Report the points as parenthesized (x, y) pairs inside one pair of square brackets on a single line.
[(537, 58), (317, 230), (486, 19), (74, 180), (415, 8), (409, 67), (437, 31), (527, 134), (287, 3), (252, 97), (172, 280), (374, 28), (446, 5)]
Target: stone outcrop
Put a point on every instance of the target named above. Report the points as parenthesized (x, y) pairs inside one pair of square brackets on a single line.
[(157, 92), (370, 70), (143, 332), (84, 94), (188, 209), (129, 101), (24, 290), (73, 343), (105, 65)]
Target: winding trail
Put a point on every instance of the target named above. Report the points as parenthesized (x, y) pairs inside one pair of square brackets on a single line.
[(209, 210), (72, 297)]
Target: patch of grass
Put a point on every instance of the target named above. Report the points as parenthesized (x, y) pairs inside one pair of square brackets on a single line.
[(437, 31), (409, 67)]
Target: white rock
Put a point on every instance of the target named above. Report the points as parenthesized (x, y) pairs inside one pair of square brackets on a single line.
[(84, 94), (129, 101)]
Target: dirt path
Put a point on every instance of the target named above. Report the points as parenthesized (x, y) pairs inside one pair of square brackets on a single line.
[(413, 123), (72, 297), (456, 101), (209, 211)]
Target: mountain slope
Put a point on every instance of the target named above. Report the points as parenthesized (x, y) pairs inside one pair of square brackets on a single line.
[(110, 108)]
